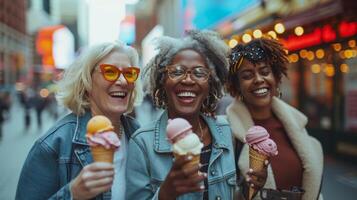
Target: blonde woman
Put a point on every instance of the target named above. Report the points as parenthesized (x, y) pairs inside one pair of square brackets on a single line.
[(102, 81)]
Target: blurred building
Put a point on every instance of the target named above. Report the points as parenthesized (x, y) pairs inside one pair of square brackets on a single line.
[(52, 27), (321, 39), (167, 14), (15, 51)]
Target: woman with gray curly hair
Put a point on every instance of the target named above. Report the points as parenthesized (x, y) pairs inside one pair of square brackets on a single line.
[(185, 79), (102, 81)]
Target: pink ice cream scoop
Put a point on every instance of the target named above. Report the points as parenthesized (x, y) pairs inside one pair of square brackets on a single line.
[(183, 139), (177, 129), (108, 140), (258, 138)]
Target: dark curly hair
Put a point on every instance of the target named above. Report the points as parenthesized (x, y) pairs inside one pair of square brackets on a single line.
[(256, 51), (207, 43)]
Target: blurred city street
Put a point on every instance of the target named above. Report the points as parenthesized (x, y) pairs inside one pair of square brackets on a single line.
[(15, 145), (340, 178)]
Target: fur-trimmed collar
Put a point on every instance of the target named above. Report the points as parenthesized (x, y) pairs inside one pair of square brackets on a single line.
[(308, 149)]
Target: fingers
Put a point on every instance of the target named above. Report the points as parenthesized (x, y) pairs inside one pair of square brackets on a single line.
[(256, 179), (193, 181), (98, 175), (98, 181), (185, 189), (183, 178), (98, 190), (181, 161), (191, 184), (94, 179), (92, 175), (98, 166), (189, 171), (254, 183), (262, 174)]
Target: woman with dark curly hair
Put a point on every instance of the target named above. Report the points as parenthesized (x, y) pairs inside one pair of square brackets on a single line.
[(185, 79), (255, 73)]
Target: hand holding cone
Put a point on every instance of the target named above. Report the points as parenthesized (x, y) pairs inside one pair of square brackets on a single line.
[(261, 148), (183, 140)]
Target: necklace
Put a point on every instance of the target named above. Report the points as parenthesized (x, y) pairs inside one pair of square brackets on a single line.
[(201, 136), (121, 131)]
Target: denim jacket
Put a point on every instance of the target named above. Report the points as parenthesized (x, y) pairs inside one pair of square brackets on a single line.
[(57, 157), (150, 160)]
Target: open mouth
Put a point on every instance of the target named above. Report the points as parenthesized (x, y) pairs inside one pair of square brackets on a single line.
[(261, 92), (120, 94), (186, 96)]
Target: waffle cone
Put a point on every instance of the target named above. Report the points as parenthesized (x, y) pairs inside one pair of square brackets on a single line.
[(256, 162), (101, 154), (195, 160)]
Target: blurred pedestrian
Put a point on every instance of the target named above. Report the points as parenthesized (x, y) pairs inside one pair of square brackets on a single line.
[(26, 99), (5, 104), (40, 104), (256, 70), (185, 78), (102, 81)]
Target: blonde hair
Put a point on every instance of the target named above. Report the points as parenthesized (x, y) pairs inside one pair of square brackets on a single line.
[(73, 88)]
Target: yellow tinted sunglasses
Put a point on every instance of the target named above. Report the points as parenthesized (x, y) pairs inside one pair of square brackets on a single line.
[(111, 73)]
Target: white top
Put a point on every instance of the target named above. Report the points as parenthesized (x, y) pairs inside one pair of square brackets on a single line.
[(118, 188)]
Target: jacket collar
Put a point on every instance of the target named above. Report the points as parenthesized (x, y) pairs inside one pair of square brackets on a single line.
[(294, 122), (80, 131), (239, 113), (162, 145)]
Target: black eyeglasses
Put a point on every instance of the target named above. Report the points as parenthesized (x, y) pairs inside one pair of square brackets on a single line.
[(179, 72)]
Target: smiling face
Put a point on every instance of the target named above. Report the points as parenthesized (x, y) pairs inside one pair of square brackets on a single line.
[(186, 95), (257, 85), (110, 98)]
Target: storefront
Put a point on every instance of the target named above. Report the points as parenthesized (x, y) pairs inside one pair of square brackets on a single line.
[(323, 75)]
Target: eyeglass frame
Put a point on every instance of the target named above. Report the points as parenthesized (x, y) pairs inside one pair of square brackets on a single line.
[(101, 70), (186, 71)]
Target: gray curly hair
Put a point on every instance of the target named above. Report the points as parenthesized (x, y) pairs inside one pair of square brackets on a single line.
[(207, 43)]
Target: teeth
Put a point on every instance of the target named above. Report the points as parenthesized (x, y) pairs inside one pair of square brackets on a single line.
[(186, 94), (260, 91), (118, 94)]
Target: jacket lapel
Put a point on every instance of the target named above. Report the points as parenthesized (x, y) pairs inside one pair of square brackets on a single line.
[(161, 144), (294, 122), (81, 148), (308, 149)]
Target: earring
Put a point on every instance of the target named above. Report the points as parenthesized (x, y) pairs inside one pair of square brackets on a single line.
[(210, 104), (280, 94), (159, 99), (240, 96)]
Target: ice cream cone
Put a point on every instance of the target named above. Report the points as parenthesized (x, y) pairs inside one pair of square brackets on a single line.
[(195, 160), (256, 162), (101, 154), (102, 140)]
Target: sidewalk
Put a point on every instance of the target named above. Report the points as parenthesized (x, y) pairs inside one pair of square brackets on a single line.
[(340, 180), (15, 146)]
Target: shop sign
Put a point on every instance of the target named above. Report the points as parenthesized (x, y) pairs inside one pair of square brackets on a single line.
[(320, 35)]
